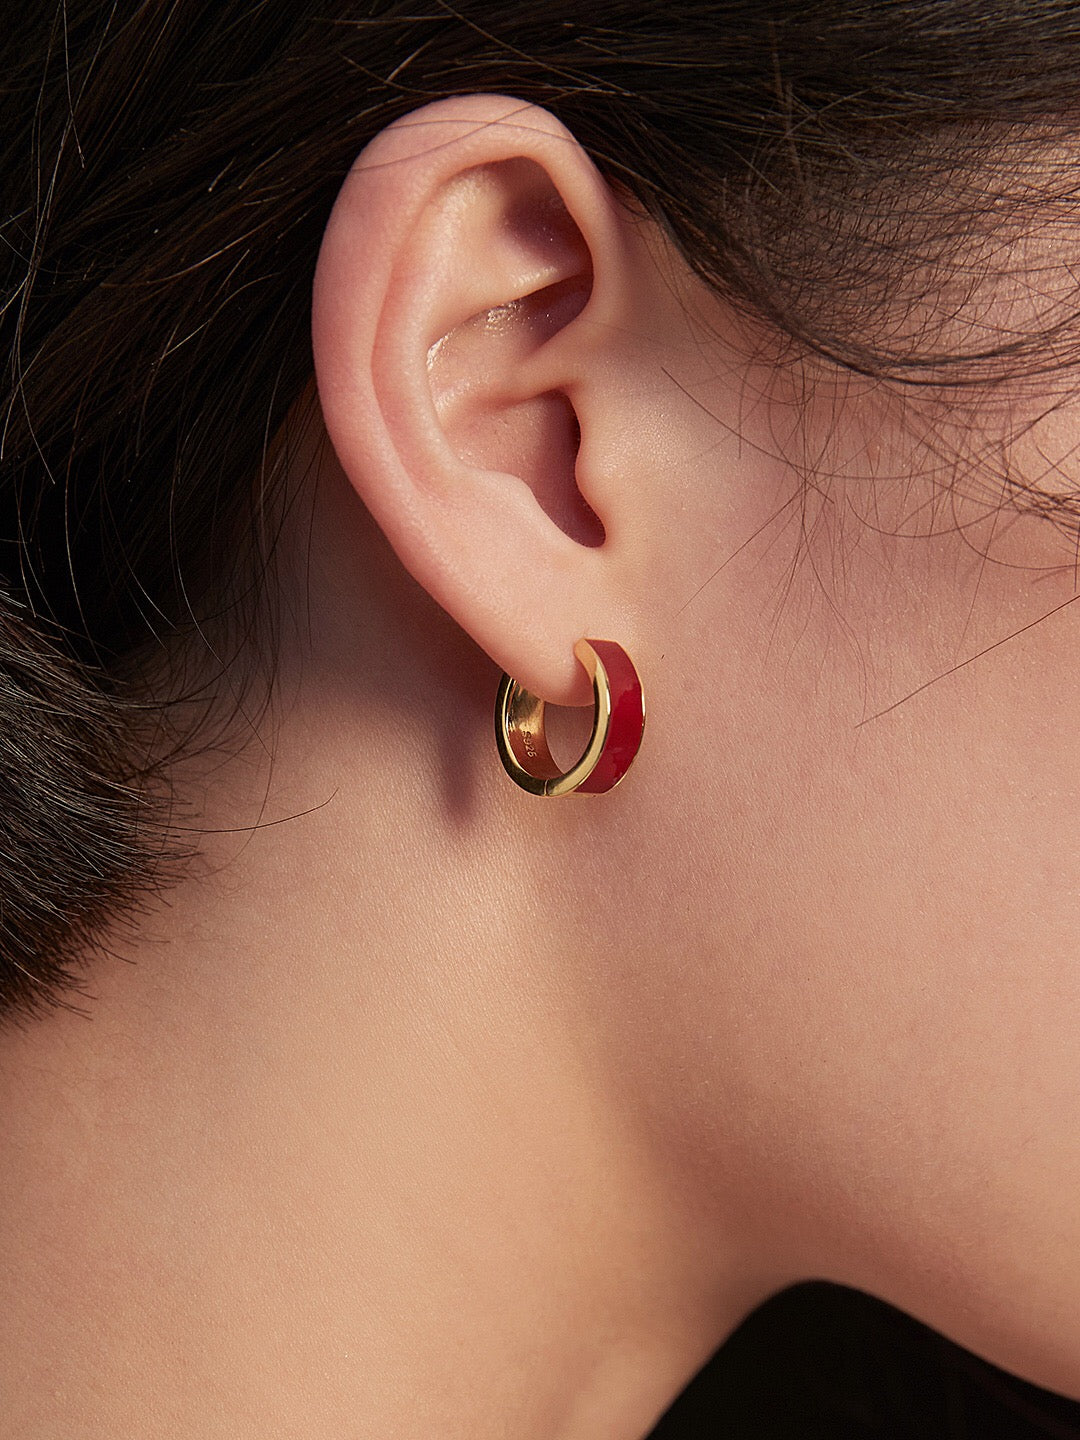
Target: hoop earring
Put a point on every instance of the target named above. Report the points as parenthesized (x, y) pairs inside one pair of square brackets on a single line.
[(618, 723)]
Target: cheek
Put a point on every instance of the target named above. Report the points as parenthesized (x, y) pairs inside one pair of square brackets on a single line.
[(882, 884)]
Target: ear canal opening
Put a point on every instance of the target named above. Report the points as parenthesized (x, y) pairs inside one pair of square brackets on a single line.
[(568, 507), (537, 437), (553, 476)]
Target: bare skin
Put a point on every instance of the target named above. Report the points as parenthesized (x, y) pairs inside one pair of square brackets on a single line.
[(440, 1110)]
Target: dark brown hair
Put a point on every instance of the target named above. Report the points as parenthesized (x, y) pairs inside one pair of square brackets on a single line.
[(167, 172)]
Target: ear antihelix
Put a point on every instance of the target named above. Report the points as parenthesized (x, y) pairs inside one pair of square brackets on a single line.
[(618, 726)]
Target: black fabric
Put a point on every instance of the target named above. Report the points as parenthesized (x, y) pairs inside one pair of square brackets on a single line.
[(819, 1362)]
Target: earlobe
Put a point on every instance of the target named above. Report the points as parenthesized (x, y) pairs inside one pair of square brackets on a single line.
[(470, 279)]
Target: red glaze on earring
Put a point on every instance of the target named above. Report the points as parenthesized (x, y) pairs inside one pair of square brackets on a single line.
[(627, 719)]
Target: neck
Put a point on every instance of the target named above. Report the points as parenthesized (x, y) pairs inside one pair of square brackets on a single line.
[(341, 1147)]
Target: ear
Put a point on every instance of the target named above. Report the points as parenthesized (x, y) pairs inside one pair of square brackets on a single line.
[(473, 283)]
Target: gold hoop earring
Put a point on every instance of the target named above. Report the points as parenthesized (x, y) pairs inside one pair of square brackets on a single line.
[(618, 723)]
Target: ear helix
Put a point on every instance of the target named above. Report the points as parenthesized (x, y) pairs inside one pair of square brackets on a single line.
[(618, 724)]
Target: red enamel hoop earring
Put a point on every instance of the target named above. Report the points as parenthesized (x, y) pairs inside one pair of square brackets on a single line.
[(618, 723)]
